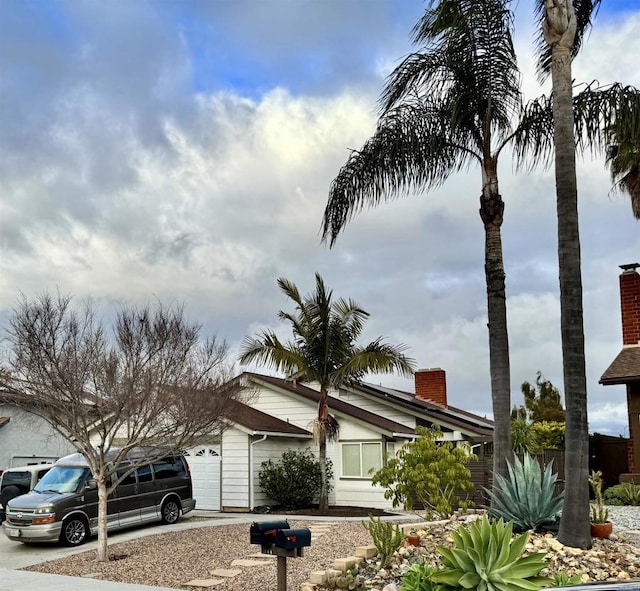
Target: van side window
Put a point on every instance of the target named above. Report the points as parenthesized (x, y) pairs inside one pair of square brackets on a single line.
[(169, 468), (144, 474), (130, 479)]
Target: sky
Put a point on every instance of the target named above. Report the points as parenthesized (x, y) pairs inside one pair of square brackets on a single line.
[(182, 151)]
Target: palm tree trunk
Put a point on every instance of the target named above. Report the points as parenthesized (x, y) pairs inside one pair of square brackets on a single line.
[(323, 411), (574, 524), (491, 212)]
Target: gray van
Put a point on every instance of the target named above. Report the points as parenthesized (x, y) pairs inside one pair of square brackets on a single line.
[(63, 506)]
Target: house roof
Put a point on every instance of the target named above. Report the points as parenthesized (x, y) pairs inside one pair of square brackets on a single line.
[(337, 406), (479, 426), (625, 367), (260, 422)]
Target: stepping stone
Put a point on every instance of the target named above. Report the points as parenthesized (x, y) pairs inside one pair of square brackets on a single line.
[(225, 572), (204, 582), (245, 562)]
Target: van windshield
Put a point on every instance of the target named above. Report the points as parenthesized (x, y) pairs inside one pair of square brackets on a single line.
[(63, 479)]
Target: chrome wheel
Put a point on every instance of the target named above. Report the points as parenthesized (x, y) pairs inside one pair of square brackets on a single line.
[(74, 532), (170, 512)]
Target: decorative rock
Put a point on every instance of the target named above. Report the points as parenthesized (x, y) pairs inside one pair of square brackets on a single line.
[(225, 572), (249, 562), (366, 551), (390, 587), (307, 587), (318, 577), (204, 582), (343, 564)]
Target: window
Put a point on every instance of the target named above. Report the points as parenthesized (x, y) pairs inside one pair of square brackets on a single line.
[(169, 468), (144, 474), (359, 458), (129, 478)]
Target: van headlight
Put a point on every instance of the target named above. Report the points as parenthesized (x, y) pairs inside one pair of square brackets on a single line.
[(45, 509)]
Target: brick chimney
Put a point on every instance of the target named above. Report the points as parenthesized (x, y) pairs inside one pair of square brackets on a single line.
[(431, 385), (630, 304)]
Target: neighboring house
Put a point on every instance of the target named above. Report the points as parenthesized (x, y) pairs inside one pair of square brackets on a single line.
[(625, 368), (374, 422), (27, 439)]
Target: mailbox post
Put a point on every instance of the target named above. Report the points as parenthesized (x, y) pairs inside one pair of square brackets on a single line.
[(276, 537)]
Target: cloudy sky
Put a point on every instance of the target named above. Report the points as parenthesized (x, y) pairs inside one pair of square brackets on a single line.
[(184, 150)]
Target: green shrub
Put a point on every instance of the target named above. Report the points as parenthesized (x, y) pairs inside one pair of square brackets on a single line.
[(293, 482), (386, 537), (486, 558), (623, 494), (428, 471), (527, 497)]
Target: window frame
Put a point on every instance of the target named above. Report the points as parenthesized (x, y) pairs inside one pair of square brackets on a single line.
[(364, 473)]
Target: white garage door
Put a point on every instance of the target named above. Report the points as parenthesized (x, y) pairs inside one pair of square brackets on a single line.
[(204, 463)]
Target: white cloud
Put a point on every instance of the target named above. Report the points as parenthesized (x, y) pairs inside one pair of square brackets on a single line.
[(207, 198)]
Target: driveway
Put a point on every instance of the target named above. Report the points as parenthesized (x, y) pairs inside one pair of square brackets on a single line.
[(15, 555)]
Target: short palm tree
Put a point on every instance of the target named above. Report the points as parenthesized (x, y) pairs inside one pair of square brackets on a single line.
[(324, 349), (449, 105)]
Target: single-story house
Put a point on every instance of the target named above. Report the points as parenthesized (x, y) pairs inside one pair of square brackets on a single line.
[(374, 422)]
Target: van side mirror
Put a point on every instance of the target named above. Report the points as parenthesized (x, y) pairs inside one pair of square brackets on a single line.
[(91, 484)]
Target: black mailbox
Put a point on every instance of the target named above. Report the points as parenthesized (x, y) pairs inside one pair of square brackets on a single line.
[(290, 539), (264, 533)]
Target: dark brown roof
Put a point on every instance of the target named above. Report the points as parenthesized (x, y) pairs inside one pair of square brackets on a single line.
[(624, 369), (450, 415), (261, 422), (337, 405), (4, 421)]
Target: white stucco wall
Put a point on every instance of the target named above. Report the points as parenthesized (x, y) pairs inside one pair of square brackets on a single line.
[(28, 435)]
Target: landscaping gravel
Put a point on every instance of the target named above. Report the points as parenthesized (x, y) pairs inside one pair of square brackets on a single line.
[(172, 559)]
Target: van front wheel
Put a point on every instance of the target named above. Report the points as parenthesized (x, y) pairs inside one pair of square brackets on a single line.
[(74, 532), (170, 511)]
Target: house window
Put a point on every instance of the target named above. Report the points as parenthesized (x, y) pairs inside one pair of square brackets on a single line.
[(359, 458)]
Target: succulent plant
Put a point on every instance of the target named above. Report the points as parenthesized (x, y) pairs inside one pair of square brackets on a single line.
[(527, 497), (418, 578), (486, 557), (386, 537), (599, 513)]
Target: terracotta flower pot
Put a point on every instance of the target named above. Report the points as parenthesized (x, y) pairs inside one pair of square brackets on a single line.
[(601, 530), (413, 540)]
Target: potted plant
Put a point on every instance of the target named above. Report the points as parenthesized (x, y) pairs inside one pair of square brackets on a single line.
[(413, 538), (601, 527)]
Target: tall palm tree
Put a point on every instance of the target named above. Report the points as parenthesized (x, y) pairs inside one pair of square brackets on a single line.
[(563, 25), (324, 349), (451, 104)]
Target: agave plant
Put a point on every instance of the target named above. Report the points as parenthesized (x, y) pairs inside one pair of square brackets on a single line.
[(486, 557), (527, 497)]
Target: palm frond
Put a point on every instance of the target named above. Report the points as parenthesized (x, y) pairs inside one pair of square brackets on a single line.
[(444, 105), (413, 148)]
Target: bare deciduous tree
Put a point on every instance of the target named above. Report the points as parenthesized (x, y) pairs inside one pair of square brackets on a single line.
[(155, 383)]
